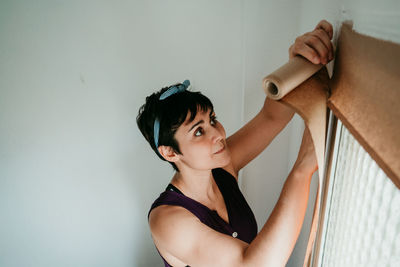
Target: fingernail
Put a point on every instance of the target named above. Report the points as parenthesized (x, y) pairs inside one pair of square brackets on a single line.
[(316, 60)]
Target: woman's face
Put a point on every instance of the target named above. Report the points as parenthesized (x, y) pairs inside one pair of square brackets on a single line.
[(202, 142)]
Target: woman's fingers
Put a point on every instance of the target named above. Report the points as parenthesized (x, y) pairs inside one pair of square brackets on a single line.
[(303, 49), (326, 26), (316, 45), (319, 41), (325, 39), (324, 31)]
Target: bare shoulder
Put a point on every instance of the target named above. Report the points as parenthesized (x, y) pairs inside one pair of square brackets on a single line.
[(169, 226), (165, 214), (182, 239), (164, 219)]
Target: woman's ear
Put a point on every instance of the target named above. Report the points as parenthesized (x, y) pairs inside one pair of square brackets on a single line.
[(168, 153)]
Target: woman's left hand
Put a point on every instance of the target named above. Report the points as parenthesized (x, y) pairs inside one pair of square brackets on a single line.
[(316, 46)]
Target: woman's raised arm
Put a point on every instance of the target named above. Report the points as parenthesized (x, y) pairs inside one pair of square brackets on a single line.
[(250, 140)]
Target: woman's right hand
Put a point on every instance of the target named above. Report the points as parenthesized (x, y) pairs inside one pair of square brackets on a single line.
[(306, 160), (316, 46)]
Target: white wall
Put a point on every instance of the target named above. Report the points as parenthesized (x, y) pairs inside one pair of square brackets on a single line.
[(76, 176)]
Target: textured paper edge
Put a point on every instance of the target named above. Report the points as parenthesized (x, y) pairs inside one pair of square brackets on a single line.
[(366, 96)]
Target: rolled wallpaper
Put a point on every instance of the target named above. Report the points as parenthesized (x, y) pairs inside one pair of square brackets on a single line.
[(289, 76)]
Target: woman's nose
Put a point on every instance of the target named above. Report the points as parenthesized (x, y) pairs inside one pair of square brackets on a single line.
[(218, 135)]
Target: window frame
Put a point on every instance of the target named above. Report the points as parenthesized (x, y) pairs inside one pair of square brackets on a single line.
[(331, 153)]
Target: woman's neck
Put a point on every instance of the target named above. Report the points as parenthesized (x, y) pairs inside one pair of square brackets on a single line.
[(198, 185)]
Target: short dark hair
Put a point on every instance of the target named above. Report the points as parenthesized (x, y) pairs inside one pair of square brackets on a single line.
[(171, 113)]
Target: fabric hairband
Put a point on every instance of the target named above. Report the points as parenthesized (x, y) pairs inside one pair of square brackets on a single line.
[(171, 91)]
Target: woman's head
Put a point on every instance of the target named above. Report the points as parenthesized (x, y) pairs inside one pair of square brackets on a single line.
[(172, 112)]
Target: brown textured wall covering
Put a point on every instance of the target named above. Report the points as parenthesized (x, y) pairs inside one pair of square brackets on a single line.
[(365, 96), (309, 101)]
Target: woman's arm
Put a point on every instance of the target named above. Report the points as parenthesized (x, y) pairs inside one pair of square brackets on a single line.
[(280, 232), (250, 140), (179, 233)]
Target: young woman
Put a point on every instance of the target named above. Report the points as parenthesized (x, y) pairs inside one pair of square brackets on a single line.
[(202, 218)]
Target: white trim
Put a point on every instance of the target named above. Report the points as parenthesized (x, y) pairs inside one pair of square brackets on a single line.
[(330, 189), (243, 61)]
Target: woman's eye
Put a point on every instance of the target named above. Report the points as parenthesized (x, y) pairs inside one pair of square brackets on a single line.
[(199, 130)]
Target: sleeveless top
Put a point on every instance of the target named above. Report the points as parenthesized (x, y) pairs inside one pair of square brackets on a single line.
[(242, 223)]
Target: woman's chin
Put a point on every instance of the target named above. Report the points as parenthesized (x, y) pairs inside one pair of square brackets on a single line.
[(223, 158)]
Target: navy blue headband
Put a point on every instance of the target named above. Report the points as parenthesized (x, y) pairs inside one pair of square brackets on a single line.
[(172, 90)]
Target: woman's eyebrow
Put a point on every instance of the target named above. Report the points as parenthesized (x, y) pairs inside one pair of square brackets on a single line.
[(200, 122)]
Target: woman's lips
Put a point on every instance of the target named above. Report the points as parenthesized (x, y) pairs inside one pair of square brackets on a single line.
[(222, 149)]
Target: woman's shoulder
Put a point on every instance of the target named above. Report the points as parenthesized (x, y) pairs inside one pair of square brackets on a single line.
[(167, 221), (173, 204), (161, 214), (170, 227)]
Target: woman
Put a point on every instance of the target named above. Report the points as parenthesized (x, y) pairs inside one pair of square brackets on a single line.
[(202, 219)]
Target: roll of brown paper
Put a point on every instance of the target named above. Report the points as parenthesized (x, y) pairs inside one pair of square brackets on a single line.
[(289, 76), (309, 101)]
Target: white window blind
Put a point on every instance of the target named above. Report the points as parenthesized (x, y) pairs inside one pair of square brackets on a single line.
[(362, 214)]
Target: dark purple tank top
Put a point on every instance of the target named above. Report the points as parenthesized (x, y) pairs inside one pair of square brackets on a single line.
[(242, 223)]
